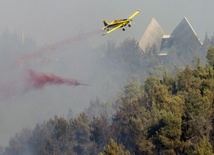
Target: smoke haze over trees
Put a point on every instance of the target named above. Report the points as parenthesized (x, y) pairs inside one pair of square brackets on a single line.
[(35, 38), (164, 108)]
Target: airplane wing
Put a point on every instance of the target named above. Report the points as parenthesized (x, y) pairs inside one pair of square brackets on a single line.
[(117, 27), (134, 14)]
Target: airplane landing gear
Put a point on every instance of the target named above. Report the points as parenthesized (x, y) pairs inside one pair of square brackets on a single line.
[(123, 29), (129, 25)]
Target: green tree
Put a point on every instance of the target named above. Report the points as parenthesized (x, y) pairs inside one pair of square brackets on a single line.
[(132, 120), (82, 132), (204, 148), (114, 149), (210, 56), (100, 131), (167, 135)]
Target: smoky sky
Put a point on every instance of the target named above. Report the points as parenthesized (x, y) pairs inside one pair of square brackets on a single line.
[(51, 21)]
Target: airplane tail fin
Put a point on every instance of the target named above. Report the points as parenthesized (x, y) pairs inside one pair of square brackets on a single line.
[(105, 23)]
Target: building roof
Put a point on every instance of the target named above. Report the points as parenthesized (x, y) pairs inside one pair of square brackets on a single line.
[(185, 33), (152, 35)]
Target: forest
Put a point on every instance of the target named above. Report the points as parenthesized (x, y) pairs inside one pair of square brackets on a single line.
[(164, 108)]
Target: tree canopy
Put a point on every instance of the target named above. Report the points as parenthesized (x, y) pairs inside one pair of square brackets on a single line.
[(171, 113)]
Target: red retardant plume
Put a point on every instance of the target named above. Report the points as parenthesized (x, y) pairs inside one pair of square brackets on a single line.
[(40, 52), (39, 80)]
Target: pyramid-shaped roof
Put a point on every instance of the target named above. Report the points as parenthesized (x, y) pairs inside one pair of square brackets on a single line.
[(152, 35), (185, 33)]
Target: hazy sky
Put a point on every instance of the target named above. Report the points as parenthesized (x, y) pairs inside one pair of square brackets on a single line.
[(51, 21)]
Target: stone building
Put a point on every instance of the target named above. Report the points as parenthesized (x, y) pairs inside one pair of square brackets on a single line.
[(183, 37)]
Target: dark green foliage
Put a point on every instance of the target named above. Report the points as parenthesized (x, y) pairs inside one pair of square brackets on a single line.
[(210, 56), (81, 134), (113, 149), (51, 137), (100, 131), (171, 112), (131, 119), (169, 116)]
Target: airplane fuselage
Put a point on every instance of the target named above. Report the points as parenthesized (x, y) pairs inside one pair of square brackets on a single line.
[(115, 23), (118, 23)]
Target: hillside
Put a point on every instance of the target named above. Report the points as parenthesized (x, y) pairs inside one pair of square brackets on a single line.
[(163, 109)]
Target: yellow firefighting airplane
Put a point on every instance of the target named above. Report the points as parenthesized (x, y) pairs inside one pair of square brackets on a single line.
[(118, 23)]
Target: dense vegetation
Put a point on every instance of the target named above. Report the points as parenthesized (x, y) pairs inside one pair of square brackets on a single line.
[(167, 111)]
